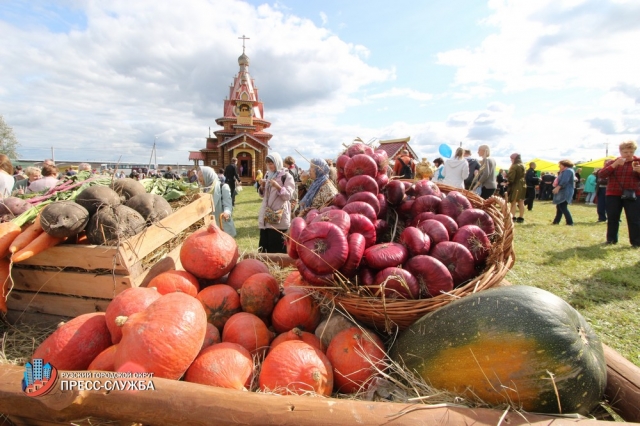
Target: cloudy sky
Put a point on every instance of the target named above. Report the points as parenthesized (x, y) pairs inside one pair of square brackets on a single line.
[(98, 80)]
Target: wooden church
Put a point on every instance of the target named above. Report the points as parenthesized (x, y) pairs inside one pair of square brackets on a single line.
[(242, 135)]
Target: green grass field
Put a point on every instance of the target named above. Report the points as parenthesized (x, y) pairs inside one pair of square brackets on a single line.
[(600, 281)]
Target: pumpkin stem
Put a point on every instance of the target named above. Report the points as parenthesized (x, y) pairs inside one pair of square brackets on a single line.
[(121, 320), (296, 331), (213, 228)]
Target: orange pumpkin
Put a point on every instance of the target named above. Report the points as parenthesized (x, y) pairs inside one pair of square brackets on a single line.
[(295, 367), (172, 281), (297, 334), (165, 338), (243, 270), (220, 301), (295, 310), (225, 365), (248, 331), (104, 361), (259, 294), (294, 282), (76, 343), (356, 357), (211, 337), (209, 253), (128, 302)]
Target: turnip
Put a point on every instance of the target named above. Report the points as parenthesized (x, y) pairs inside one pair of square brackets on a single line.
[(152, 207), (64, 219), (97, 196), (111, 224)]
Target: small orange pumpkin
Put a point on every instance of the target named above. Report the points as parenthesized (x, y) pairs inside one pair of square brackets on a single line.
[(297, 334), (220, 302), (165, 338), (295, 367), (209, 253), (259, 294), (104, 361), (243, 270), (248, 331), (295, 310), (356, 357), (211, 337), (225, 365), (75, 343), (172, 281), (128, 302), (294, 282)]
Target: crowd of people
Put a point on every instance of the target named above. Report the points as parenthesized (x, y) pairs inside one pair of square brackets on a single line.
[(288, 191), (615, 187)]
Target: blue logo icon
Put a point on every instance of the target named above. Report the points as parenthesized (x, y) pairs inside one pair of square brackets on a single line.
[(38, 378)]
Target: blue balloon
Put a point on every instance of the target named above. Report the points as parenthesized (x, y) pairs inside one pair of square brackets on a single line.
[(445, 150)]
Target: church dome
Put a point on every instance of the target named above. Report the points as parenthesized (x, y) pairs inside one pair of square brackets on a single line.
[(243, 60)]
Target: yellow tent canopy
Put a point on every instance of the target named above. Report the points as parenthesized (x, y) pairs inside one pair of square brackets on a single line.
[(596, 164), (543, 165)]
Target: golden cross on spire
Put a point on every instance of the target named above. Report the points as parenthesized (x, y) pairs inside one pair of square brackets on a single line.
[(243, 38)]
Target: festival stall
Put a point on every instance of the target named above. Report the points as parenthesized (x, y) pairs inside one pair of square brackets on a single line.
[(390, 307)]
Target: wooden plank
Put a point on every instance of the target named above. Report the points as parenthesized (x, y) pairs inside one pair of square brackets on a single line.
[(137, 247), (34, 319), (623, 385), (79, 256), (171, 261), (175, 402), (54, 304), (70, 283)]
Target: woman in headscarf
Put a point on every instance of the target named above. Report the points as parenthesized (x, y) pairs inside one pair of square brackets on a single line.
[(322, 190), (259, 177), (274, 216), (221, 195)]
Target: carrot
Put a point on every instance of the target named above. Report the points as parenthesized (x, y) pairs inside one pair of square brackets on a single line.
[(82, 238), (5, 282), (38, 245), (28, 235), (9, 231)]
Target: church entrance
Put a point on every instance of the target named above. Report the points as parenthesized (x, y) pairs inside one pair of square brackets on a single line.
[(245, 167)]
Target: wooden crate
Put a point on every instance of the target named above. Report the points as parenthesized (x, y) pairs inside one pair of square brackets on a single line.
[(70, 280)]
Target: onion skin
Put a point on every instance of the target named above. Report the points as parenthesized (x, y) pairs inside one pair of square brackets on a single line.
[(368, 198), (476, 240), (361, 183), (362, 225), (395, 192), (360, 164), (457, 258), (478, 218), (432, 275), (323, 248), (386, 255), (450, 224), (416, 241), (395, 283), (435, 230), (362, 208), (357, 246)]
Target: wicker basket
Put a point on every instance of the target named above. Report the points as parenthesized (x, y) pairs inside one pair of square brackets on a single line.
[(389, 314)]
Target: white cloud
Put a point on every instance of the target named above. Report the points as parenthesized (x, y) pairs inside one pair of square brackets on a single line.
[(324, 18), (552, 44), (146, 69), (403, 92)]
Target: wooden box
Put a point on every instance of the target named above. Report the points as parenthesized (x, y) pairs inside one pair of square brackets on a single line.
[(70, 280)]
